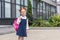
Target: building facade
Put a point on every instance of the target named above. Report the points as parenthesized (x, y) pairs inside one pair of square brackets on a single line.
[(46, 8), (58, 7), (9, 9)]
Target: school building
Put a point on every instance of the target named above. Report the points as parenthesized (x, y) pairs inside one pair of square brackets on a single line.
[(58, 7), (9, 9)]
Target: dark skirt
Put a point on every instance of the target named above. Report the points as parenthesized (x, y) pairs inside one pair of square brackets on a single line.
[(22, 28)]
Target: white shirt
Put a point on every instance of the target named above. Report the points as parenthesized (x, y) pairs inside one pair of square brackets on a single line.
[(23, 17)]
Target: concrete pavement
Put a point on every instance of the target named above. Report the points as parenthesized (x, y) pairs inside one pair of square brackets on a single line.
[(35, 35), (42, 33), (5, 29)]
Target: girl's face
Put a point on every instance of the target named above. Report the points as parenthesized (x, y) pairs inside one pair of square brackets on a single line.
[(23, 12)]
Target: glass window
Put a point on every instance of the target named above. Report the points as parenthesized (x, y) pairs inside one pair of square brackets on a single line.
[(21, 2), (41, 11), (44, 12), (8, 0), (37, 7), (17, 1), (7, 10), (26, 3), (52, 9), (34, 13), (17, 11), (41, 5), (0, 9), (38, 10), (2, 0), (54, 0), (34, 4), (55, 10), (47, 10), (3, 9)]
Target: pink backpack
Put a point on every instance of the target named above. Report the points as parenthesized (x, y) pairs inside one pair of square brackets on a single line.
[(15, 24)]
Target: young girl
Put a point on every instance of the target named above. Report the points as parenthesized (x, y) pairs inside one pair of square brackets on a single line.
[(23, 24)]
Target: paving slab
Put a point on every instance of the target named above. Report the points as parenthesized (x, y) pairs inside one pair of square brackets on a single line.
[(35, 35)]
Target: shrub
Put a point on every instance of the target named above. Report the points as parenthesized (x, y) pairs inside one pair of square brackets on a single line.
[(37, 22), (45, 23), (54, 20), (40, 22)]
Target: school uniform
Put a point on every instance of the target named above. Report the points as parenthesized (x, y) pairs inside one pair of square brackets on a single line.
[(23, 25)]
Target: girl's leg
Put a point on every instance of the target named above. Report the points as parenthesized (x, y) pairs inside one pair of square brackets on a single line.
[(18, 37), (21, 38)]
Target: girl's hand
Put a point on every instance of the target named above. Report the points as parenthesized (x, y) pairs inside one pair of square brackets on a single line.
[(19, 17), (19, 20)]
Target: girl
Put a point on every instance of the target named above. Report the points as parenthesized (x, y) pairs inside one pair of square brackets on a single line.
[(23, 24)]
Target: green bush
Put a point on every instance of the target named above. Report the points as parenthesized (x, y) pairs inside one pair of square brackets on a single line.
[(45, 23), (37, 22), (40, 23), (55, 20)]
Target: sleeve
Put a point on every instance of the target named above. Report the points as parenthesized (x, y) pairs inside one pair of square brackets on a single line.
[(18, 20), (27, 25)]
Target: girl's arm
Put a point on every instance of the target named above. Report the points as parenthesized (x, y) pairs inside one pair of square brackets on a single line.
[(27, 26), (18, 20)]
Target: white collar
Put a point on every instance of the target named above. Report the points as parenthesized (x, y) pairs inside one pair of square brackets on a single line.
[(23, 17)]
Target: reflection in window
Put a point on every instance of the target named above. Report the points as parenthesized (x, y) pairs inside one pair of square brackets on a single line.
[(38, 6), (0, 9), (34, 4), (44, 12), (17, 11), (3, 9), (41, 5), (54, 0), (41, 11), (26, 3), (17, 1), (52, 9), (21, 2), (8, 0), (7, 10), (47, 10)]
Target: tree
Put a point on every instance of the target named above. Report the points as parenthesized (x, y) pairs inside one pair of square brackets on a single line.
[(29, 12)]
